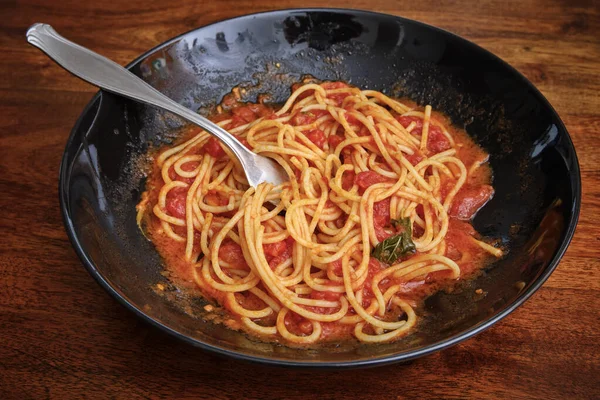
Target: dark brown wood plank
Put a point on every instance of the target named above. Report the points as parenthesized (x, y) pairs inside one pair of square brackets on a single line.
[(62, 336)]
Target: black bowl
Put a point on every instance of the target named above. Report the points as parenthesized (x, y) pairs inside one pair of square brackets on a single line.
[(537, 180)]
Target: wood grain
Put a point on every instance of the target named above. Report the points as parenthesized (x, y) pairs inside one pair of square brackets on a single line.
[(62, 336)]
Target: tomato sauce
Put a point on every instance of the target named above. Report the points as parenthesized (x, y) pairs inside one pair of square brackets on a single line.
[(459, 244), (278, 252), (213, 147)]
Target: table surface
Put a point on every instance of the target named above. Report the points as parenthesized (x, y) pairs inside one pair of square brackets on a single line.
[(60, 333)]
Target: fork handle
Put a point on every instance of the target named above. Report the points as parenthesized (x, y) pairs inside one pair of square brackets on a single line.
[(110, 76)]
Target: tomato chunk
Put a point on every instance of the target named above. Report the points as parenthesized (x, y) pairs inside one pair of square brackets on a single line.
[(348, 180), (353, 121), (381, 218), (338, 98), (245, 113), (213, 147), (334, 140), (175, 204), (190, 166), (214, 198), (274, 249), (381, 212), (414, 158), (457, 239), (469, 200), (278, 252), (303, 118), (417, 230), (236, 121), (375, 266), (260, 110), (325, 295), (336, 267), (436, 140), (308, 117), (248, 113), (406, 121), (216, 118), (456, 225), (232, 254), (368, 178), (317, 137), (297, 324), (333, 85)]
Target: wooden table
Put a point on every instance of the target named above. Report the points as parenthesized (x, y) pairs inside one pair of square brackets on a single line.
[(62, 336)]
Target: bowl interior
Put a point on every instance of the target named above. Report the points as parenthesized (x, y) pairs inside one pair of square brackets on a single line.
[(536, 175)]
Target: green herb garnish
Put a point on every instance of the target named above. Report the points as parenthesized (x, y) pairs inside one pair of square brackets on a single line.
[(394, 247)]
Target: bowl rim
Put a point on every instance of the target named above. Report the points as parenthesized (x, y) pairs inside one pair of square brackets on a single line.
[(574, 174)]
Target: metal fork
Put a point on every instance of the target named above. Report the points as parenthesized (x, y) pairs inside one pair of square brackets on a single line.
[(110, 76)]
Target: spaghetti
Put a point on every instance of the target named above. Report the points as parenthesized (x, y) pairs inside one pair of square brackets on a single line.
[(375, 214)]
